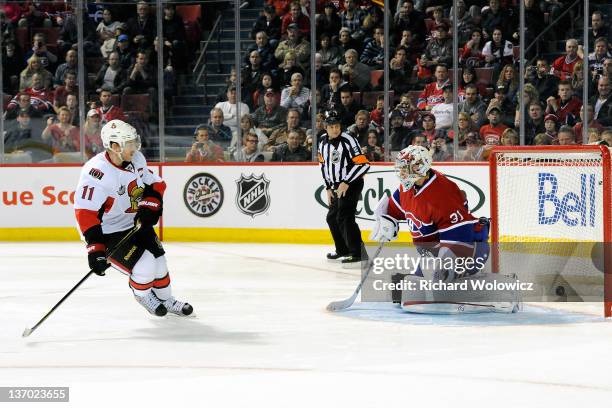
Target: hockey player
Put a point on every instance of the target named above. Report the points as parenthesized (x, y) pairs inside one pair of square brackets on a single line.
[(116, 189), (441, 225)]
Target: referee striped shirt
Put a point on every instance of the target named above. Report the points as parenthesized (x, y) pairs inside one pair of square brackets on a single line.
[(341, 160)]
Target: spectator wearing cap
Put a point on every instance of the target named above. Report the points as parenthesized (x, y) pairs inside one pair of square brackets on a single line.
[(474, 150), (592, 122), (230, 109), (566, 106), (280, 135), (491, 132), (270, 23), (535, 122), (296, 17), (251, 151), (443, 111), (507, 109), (295, 96), (218, 131), (292, 150), (400, 135), (439, 49), (433, 93), (296, 43), (91, 133), (551, 124), (110, 44), (473, 105), (203, 149), (123, 48), (360, 71), (271, 115), (566, 136), (112, 75), (142, 27), (410, 19)]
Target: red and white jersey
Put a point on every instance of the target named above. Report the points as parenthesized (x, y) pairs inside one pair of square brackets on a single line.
[(435, 212), (108, 194), (432, 95)]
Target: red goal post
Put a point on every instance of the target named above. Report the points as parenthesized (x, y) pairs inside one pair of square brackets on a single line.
[(526, 182)]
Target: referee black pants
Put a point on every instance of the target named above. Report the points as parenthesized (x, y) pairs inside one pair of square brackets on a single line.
[(341, 221)]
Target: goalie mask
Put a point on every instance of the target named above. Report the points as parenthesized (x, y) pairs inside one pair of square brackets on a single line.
[(411, 164), (122, 133)]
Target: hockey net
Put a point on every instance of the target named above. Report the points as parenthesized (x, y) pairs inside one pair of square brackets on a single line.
[(551, 219)]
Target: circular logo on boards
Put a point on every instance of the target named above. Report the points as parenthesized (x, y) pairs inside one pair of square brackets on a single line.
[(203, 195)]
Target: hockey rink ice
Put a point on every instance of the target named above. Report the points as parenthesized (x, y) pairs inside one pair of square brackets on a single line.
[(262, 338)]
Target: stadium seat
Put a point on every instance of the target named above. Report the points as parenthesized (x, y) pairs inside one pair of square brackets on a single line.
[(93, 64), (116, 100), (135, 102), (375, 76), (368, 99), (430, 24), (357, 97), (484, 76), (22, 35), (189, 13)]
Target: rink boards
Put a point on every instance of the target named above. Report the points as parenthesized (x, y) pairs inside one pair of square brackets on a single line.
[(223, 203)]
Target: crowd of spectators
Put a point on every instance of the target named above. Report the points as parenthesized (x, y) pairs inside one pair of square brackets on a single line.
[(40, 69), (276, 90)]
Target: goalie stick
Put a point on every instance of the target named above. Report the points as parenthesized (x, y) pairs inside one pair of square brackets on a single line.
[(346, 303), (29, 331)]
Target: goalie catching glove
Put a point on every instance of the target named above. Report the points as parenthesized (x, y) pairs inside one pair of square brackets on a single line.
[(149, 207), (385, 230)]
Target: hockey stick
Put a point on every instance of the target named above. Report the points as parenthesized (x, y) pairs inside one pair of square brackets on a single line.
[(29, 331), (346, 303)]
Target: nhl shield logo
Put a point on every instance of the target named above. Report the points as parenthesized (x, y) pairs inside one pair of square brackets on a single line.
[(252, 197)]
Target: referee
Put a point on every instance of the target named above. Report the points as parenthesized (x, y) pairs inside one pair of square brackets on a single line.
[(343, 166)]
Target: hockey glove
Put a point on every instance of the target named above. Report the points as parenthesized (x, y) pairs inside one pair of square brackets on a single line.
[(96, 255), (385, 230), (149, 207)]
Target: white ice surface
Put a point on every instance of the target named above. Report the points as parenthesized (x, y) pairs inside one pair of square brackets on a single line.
[(262, 338)]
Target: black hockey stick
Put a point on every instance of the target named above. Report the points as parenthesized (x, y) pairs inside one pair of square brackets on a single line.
[(29, 331), (346, 303)]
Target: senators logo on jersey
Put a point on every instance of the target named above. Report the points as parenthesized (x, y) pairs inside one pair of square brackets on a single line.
[(135, 193)]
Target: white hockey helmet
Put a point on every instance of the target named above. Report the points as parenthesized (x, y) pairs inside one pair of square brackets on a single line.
[(121, 133), (411, 164)]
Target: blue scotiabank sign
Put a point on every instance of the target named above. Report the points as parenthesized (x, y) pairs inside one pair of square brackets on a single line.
[(574, 208)]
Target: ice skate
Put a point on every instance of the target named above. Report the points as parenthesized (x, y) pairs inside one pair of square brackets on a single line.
[(152, 304), (177, 307)]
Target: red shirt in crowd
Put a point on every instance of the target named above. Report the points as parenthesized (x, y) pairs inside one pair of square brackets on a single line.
[(491, 135)]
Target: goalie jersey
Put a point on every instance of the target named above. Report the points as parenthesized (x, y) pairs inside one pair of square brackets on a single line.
[(108, 194), (437, 212)]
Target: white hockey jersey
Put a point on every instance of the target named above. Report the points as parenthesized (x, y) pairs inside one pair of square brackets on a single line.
[(108, 194)]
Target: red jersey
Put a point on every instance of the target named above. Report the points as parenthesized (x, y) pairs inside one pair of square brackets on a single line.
[(435, 212), (431, 95), (110, 113), (563, 67), (567, 110), (491, 135)]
